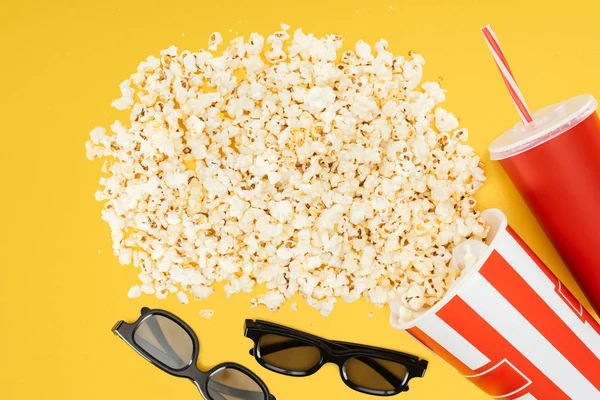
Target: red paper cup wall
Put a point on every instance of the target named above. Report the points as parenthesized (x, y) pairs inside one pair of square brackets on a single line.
[(554, 162), (512, 328)]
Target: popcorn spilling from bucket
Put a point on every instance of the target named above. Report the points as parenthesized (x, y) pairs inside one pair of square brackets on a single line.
[(464, 256), (286, 162)]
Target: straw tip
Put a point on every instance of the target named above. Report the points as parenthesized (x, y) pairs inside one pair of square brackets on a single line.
[(486, 28)]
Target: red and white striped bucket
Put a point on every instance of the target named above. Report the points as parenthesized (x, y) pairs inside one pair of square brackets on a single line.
[(509, 326)]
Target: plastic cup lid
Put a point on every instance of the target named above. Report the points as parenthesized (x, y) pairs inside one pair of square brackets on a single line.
[(547, 124)]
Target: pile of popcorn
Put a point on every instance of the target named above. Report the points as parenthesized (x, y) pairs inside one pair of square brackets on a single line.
[(285, 163)]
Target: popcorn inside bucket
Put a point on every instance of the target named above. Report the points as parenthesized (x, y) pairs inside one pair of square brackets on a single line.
[(469, 257)]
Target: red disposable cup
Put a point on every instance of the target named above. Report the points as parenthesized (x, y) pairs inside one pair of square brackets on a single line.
[(511, 327), (555, 164)]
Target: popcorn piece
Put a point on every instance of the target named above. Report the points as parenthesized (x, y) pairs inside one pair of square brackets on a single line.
[(182, 297), (214, 40), (434, 91), (319, 98), (98, 135), (134, 292), (126, 100), (207, 314), (282, 211), (288, 166), (273, 300), (445, 121), (202, 292), (330, 217), (363, 50), (148, 288)]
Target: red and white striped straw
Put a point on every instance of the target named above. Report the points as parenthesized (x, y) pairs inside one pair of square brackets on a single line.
[(507, 75)]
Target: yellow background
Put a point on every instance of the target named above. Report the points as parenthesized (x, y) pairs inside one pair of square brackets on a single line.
[(61, 289)]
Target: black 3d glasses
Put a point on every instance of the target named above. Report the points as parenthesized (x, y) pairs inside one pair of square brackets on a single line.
[(171, 345), (363, 368)]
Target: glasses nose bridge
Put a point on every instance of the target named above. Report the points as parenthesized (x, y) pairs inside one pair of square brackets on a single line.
[(334, 359), (334, 356)]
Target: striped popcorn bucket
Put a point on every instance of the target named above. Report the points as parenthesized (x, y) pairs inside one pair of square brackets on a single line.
[(509, 326)]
